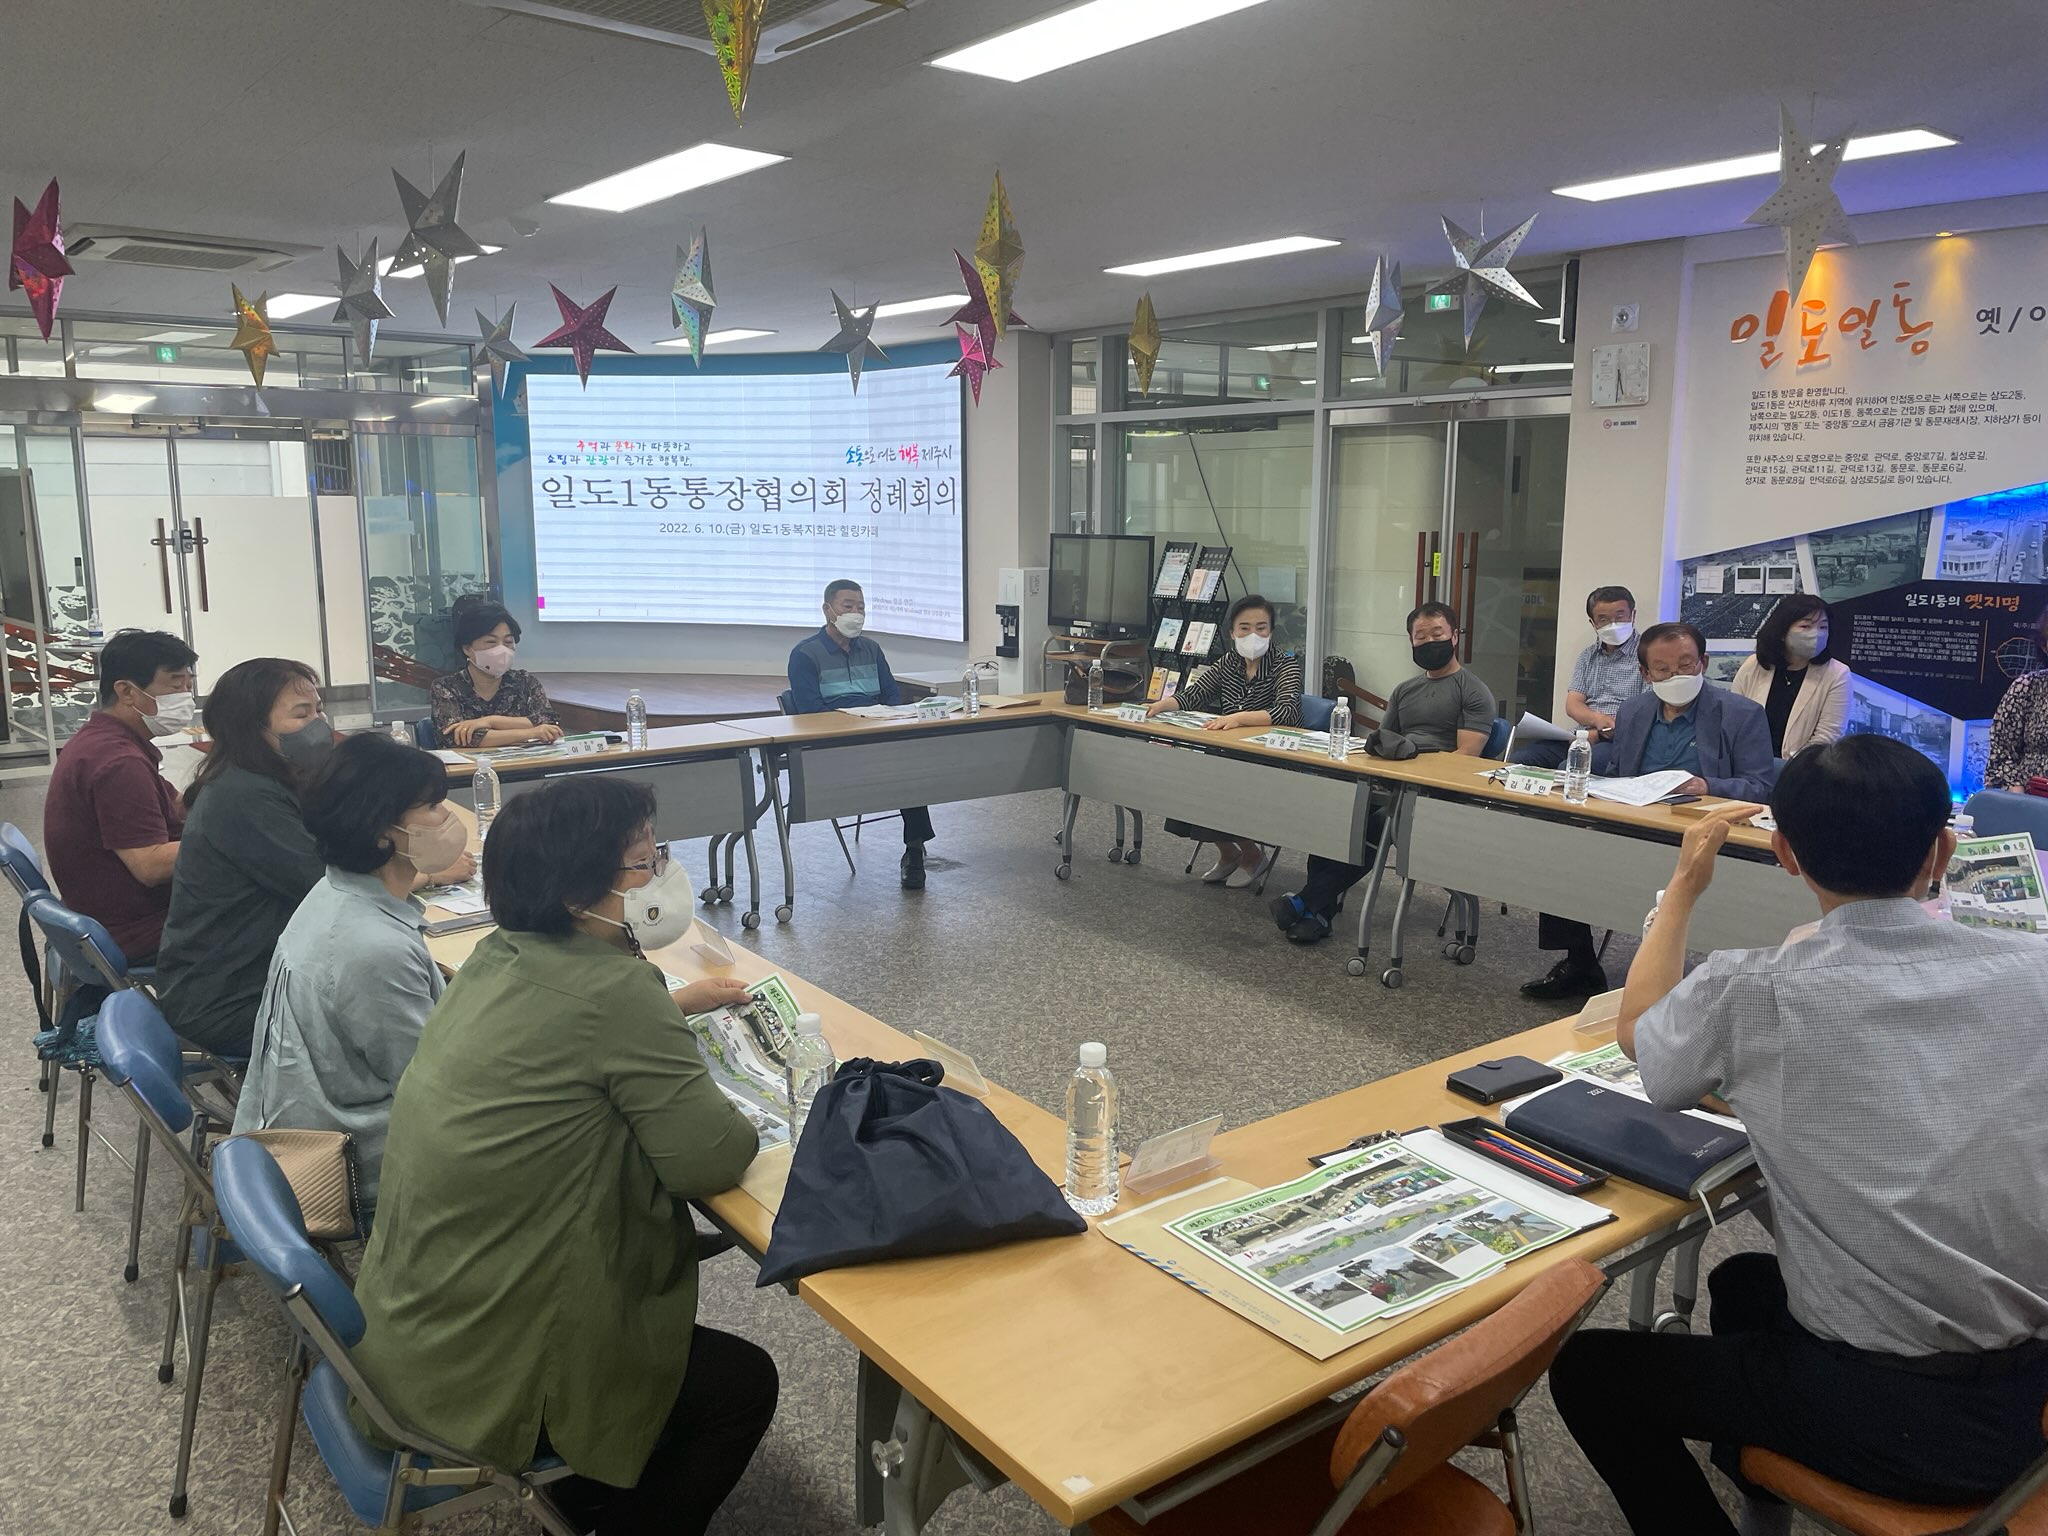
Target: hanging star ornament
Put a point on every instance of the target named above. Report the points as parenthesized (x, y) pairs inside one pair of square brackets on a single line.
[(362, 299), (1383, 312), (582, 331), (690, 296), (1805, 206), (252, 333), (1483, 271), (735, 27), (976, 312), (852, 339), (36, 260), (496, 344), (1144, 343), (999, 255), (433, 238), (974, 361)]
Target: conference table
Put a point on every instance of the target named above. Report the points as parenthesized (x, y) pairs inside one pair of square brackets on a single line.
[(1085, 1375)]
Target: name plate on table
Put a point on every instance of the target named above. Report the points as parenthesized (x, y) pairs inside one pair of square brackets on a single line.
[(1135, 713), (1172, 1156), (961, 1072), (711, 948), (1519, 782)]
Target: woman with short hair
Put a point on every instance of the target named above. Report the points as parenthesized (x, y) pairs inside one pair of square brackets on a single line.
[(490, 702), (351, 982), (1794, 674), (530, 1286)]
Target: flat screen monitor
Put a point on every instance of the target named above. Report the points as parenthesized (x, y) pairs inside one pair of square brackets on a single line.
[(1100, 584)]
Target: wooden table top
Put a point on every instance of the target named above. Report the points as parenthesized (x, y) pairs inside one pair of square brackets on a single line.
[(664, 743), (833, 725), (691, 695)]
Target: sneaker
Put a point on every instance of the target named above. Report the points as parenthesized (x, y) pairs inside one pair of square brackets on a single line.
[(1222, 869), (1312, 929), (1287, 910), (1566, 979), (913, 867)]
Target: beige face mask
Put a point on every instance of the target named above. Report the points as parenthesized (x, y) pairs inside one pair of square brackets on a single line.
[(431, 848)]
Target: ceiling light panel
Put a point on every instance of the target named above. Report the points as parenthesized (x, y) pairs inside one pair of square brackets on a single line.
[(1285, 245), (1868, 147), (283, 306), (1082, 32), (717, 338), (920, 306), (684, 171)]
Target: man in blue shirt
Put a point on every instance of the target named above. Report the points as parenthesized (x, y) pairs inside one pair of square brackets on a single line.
[(1605, 677), (1720, 738), (840, 668)]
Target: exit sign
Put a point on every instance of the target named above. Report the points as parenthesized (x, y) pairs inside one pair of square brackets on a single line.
[(165, 352), (1437, 301)]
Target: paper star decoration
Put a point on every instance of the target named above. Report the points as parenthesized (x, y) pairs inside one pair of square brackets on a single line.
[(735, 27), (999, 255), (852, 339), (1483, 271), (975, 312), (252, 333), (433, 239), (1805, 206), (36, 261), (362, 299), (690, 296), (974, 361), (1144, 344), (497, 345), (582, 331), (1383, 312)]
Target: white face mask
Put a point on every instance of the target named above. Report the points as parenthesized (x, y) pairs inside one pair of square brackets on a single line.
[(850, 624), (659, 912), (173, 713), (492, 660), (1615, 634), (1681, 690), (1252, 647), (1805, 644)]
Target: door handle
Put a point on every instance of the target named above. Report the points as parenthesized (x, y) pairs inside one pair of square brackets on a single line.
[(196, 541), (163, 560)]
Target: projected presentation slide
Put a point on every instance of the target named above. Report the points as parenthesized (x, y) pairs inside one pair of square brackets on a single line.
[(734, 498)]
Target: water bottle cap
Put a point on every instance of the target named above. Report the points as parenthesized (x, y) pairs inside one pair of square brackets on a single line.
[(809, 1024), (1094, 1054), (1583, 735)]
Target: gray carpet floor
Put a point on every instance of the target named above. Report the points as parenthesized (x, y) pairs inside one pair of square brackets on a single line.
[(1202, 1004)]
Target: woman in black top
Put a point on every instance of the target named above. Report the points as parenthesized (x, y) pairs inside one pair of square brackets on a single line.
[(1249, 689)]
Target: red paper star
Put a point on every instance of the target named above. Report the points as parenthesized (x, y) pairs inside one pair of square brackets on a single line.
[(36, 262), (582, 331), (974, 361), (977, 313)]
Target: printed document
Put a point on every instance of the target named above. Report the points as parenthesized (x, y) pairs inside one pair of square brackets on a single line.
[(745, 1047), (1645, 789)]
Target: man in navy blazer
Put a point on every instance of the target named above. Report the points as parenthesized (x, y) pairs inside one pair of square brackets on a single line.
[(1720, 738)]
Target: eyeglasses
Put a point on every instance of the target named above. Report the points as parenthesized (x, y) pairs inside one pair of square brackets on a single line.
[(656, 866)]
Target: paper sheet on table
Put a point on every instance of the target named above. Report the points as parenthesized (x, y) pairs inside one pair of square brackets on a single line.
[(1536, 728), (455, 759), (464, 900), (1645, 789), (938, 703)]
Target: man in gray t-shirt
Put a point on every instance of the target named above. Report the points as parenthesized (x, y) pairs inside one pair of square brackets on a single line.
[(1447, 709)]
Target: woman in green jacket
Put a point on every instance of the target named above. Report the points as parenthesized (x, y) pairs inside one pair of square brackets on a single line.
[(531, 1283)]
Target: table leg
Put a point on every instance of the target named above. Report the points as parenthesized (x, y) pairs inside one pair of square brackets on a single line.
[(1381, 857), (917, 1467), (874, 1418), (1071, 810), (774, 775)]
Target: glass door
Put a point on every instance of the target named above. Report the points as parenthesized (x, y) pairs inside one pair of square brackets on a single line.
[(1505, 539), (1387, 491), (423, 547)]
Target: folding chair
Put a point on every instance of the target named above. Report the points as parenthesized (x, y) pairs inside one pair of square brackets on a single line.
[(25, 874), (1388, 1452), (391, 1491)]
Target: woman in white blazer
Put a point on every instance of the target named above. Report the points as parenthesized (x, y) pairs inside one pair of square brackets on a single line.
[(1803, 689)]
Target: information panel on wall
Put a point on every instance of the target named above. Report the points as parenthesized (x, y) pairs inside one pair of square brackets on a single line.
[(726, 498)]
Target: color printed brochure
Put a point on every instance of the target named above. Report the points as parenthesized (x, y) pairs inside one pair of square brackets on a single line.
[(1291, 738), (1609, 1066), (1995, 882), (1187, 719), (745, 1047), (1376, 1234)]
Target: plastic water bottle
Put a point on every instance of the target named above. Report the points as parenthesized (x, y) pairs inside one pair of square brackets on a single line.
[(488, 797), (1095, 683), (1091, 1133), (970, 689), (95, 632), (1340, 729), (636, 720), (401, 733), (1578, 769), (809, 1068)]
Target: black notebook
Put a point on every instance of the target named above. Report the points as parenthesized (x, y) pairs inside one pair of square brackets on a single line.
[(1677, 1154)]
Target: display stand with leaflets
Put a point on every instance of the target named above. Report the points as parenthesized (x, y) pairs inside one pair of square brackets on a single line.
[(1189, 600)]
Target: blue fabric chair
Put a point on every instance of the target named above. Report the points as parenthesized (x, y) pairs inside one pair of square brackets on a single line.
[(424, 736), (24, 873), (425, 1481), (90, 958), (2001, 813), (1316, 711)]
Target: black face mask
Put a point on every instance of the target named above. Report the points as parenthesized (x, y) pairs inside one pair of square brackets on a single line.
[(307, 747), (1434, 655)]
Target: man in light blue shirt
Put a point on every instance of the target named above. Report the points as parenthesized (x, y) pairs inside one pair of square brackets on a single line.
[(1604, 678)]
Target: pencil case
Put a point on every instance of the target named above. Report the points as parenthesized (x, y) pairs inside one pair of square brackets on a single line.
[(1469, 1133)]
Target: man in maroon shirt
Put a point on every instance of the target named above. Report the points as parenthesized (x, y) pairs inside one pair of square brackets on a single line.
[(111, 820)]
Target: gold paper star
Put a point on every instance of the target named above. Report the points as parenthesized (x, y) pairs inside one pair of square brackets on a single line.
[(1144, 343), (999, 255), (252, 333), (735, 27)]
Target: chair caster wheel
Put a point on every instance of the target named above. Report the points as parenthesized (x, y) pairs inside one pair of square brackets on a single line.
[(1060, 872), (129, 1272), (784, 912), (1355, 966), (709, 895), (1390, 978), (1671, 1322), (750, 920), (1132, 856), (1465, 954), (178, 1507), (49, 1141), (1116, 854), (725, 893), (164, 1373)]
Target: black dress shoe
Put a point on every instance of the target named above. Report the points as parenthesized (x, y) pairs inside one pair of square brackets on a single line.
[(913, 867), (1287, 910), (1567, 980), (1312, 929)]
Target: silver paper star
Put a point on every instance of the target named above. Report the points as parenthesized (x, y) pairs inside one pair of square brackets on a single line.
[(362, 299), (852, 339), (497, 345), (690, 296), (1483, 271), (1383, 312), (433, 239), (1805, 206)]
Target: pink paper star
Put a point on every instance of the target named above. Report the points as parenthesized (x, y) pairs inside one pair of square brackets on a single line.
[(36, 262), (582, 331), (977, 313), (974, 361)]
